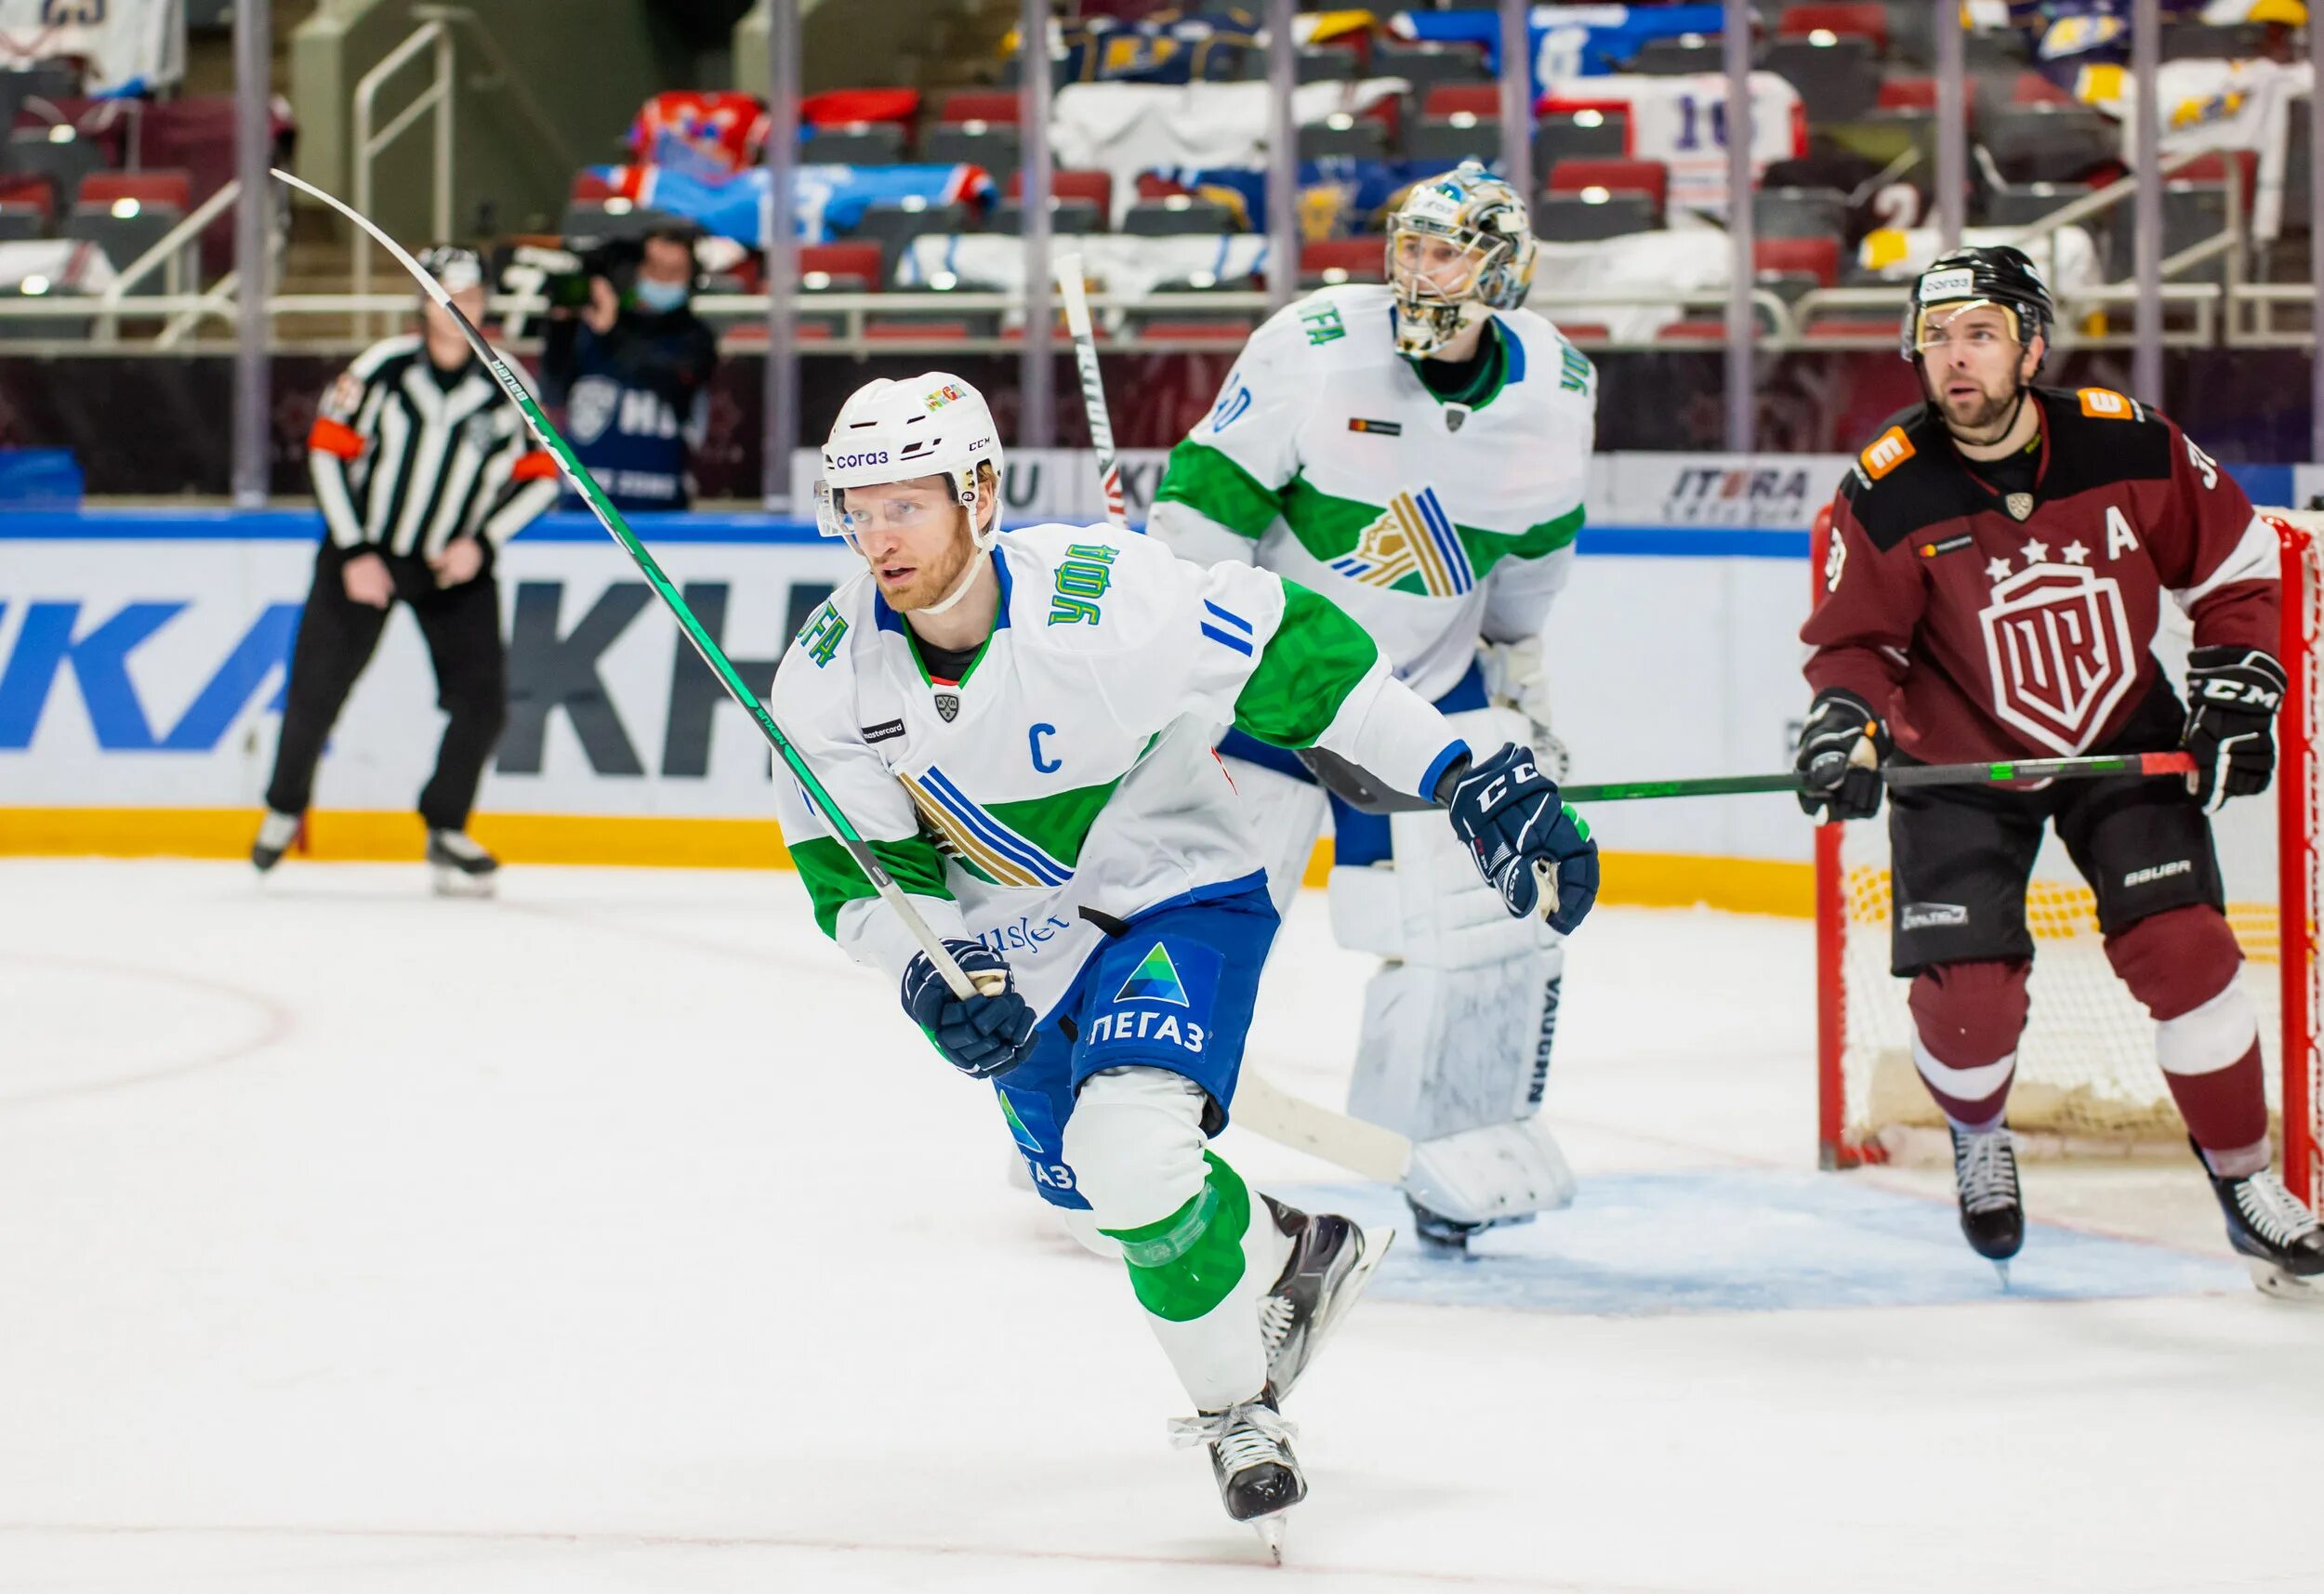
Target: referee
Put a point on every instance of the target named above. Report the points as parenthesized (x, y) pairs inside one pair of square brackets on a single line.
[(422, 469)]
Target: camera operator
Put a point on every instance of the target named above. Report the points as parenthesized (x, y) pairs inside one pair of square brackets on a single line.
[(631, 364)]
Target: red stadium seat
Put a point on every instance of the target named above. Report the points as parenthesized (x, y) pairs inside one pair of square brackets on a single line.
[(1908, 94), (1817, 257), (26, 189), (853, 267), (1451, 99), (1649, 178), (1359, 260), (1583, 331), (1095, 187), (1853, 330), (1693, 332), (152, 190), (1864, 22), (2032, 88), (840, 107), (980, 105), (2212, 168)]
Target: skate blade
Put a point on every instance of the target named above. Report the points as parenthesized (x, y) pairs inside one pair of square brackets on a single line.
[(452, 883), (1270, 1531), (2279, 1284), (1376, 1243), (2002, 1269)]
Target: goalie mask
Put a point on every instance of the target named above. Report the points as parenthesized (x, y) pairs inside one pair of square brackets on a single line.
[(931, 424), (1459, 247)]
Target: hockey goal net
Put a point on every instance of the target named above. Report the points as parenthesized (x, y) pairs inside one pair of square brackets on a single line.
[(2087, 1083)]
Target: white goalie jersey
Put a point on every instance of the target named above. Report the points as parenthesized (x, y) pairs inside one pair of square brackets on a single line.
[(1328, 460)]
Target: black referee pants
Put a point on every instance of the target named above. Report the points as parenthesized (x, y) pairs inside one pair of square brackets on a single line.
[(336, 639)]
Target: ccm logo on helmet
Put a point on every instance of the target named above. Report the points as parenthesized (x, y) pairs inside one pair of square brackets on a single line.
[(851, 461)]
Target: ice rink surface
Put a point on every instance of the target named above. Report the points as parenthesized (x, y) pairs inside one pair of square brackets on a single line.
[(617, 1234)]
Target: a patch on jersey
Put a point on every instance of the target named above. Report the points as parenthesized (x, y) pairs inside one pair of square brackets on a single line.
[(2105, 405), (1377, 429), (1456, 416), (1413, 537), (1888, 451), (1950, 545), (2019, 505), (985, 846), (2057, 645), (1082, 580), (947, 706), (886, 731), (820, 637), (1017, 1130), (344, 397), (1155, 980)]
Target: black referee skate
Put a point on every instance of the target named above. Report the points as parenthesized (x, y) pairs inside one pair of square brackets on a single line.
[(2278, 1239), (1331, 1261), (461, 867), (1251, 1455), (277, 832), (1985, 1175)]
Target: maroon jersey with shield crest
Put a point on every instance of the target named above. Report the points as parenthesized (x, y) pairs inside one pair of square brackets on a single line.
[(2009, 612)]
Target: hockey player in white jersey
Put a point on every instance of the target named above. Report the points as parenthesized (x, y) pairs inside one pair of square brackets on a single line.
[(1416, 452), (1020, 727)]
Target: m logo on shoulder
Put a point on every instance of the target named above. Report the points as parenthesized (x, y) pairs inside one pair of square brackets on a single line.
[(1889, 450)]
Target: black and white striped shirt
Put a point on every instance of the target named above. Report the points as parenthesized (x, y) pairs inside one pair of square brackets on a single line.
[(404, 459)]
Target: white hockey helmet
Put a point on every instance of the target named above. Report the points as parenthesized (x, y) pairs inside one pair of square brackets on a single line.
[(1469, 210), (931, 425)]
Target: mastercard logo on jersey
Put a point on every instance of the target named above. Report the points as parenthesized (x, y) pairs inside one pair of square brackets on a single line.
[(1950, 545)]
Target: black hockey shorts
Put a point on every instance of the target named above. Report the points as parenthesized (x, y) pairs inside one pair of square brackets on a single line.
[(1960, 856)]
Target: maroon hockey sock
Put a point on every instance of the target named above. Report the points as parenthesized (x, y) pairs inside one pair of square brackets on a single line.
[(2226, 1111), (1966, 1018)]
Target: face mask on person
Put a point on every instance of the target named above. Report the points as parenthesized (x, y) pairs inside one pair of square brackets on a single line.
[(660, 298)]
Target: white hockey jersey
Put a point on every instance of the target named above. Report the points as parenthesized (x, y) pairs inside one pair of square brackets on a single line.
[(1070, 767), (1326, 460)]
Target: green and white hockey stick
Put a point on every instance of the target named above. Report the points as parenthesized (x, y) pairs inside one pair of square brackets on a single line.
[(704, 643)]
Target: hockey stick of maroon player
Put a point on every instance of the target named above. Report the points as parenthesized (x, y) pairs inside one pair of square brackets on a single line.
[(1356, 788)]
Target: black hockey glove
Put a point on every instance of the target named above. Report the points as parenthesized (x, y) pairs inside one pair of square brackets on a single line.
[(2232, 695), (1523, 837), (985, 1035), (1842, 748)]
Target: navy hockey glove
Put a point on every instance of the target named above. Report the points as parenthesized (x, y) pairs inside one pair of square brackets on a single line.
[(2232, 695), (1523, 837), (985, 1035), (1842, 748)]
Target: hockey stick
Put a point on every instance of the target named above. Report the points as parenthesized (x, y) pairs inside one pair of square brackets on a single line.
[(1359, 790), (1071, 289), (704, 643), (1288, 1120)]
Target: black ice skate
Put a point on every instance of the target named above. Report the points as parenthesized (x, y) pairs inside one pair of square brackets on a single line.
[(2278, 1239), (276, 832), (1251, 1455), (1992, 1218), (1436, 1230), (461, 868), (1331, 1261)]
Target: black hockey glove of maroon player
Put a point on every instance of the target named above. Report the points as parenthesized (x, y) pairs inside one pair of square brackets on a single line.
[(1842, 748), (1521, 836), (2232, 695), (987, 1033)]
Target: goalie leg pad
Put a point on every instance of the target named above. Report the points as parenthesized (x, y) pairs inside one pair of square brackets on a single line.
[(1457, 1025), (1285, 815)]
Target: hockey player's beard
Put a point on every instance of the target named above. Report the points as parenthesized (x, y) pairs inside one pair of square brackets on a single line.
[(933, 581), (1980, 421)]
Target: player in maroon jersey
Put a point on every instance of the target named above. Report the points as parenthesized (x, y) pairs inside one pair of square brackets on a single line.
[(1999, 559)]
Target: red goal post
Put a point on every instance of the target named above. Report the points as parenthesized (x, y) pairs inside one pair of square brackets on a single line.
[(2087, 1082)]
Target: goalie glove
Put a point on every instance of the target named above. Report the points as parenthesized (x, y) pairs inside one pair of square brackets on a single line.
[(1523, 840), (1516, 678), (985, 1035), (2232, 695), (1842, 748)]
